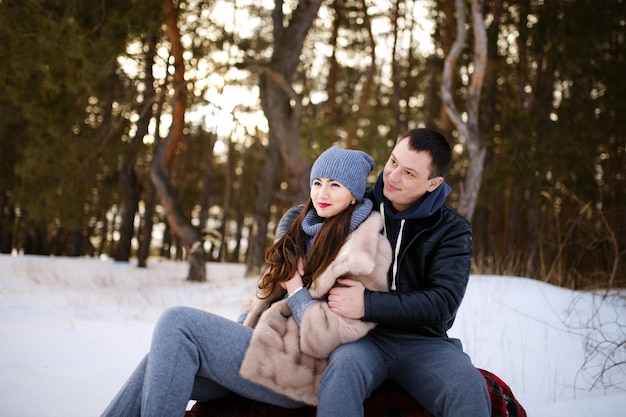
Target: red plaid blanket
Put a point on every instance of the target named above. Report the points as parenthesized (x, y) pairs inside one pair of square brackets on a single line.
[(387, 401)]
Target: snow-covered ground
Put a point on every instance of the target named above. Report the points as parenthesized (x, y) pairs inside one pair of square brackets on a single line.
[(72, 330)]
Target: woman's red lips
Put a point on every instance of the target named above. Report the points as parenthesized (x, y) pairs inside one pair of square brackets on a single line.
[(323, 205)]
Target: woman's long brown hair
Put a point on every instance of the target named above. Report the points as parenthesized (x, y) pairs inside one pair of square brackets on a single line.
[(281, 259)]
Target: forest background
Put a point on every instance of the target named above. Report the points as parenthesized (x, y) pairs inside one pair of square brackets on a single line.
[(184, 129)]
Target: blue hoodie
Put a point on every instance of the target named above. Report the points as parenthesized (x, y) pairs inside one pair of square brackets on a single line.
[(394, 221)]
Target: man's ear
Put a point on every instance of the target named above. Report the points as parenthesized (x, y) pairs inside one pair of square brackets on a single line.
[(434, 183)]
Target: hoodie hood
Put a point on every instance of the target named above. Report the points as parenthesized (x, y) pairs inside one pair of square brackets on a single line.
[(425, 207)]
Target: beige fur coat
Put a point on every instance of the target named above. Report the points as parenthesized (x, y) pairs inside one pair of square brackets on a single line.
[(290, 359)]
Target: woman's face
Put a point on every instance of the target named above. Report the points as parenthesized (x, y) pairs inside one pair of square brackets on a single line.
[(329, 197)]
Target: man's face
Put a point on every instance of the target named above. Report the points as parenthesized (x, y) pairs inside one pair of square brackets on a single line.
[(405, 176)]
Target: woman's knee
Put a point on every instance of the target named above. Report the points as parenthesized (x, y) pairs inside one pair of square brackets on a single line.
[(174, 315), (174, 320)]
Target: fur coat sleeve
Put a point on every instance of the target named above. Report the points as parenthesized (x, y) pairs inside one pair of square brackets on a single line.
[(290, 359)]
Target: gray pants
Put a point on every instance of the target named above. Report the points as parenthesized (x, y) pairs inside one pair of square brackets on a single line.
[(193, 355), (434, 371), (197, 355)]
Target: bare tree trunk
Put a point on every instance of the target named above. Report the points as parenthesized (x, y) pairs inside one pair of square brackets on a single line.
[(238, 216), (263, 202), (493, 60), (395, 71), (539, 105), (231, 163), (366, 93), (189, 236), (533, 256), (209, 236), (7, 222), (166, 244), (447, 40), (132, 195), (145, 237), (205, 201), (334, 108), (129, 178), (470, 131), (283, 107)]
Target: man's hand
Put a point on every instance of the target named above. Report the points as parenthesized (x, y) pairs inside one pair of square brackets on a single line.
[(347, 300)]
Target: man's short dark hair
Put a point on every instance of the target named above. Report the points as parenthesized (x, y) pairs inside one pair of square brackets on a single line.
[(433, 142)]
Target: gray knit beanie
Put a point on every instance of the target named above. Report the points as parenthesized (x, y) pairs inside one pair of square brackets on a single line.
[(346, 166)]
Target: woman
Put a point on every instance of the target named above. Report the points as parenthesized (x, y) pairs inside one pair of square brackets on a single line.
[(198, 355)]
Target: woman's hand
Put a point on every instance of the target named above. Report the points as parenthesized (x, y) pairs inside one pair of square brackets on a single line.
[(295, 281)]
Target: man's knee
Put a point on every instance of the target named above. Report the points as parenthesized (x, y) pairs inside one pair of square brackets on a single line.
[(349, 359), (468, 395), (349, 366)]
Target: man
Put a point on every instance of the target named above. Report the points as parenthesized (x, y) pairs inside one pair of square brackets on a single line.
[(428, 277)]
